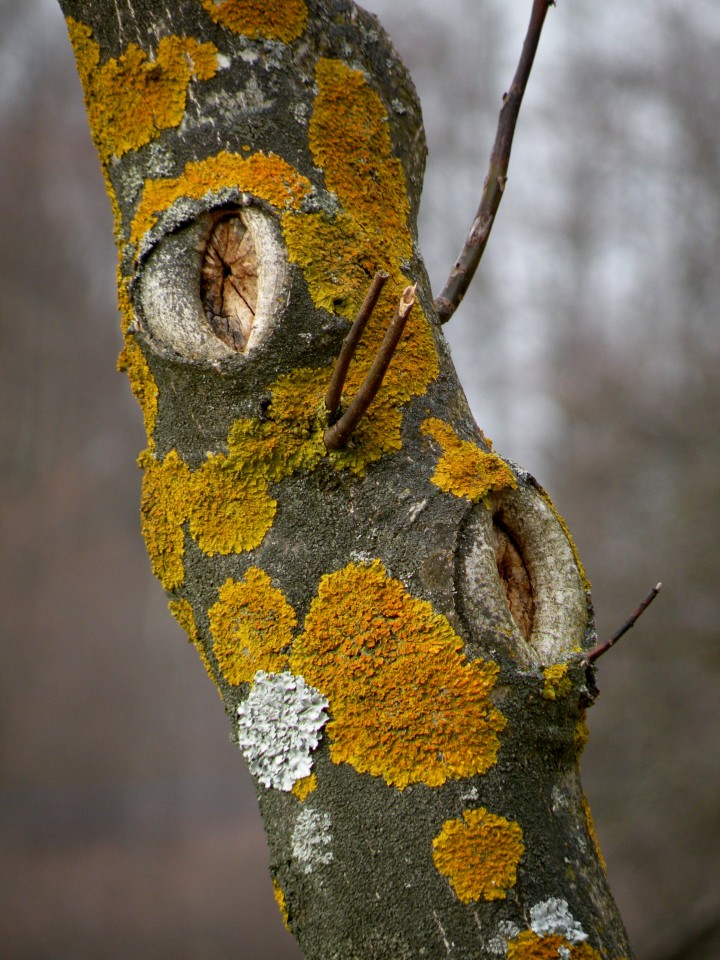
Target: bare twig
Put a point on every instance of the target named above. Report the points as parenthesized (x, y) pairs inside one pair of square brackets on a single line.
[(630, 622), (339, 434), (350, 343), (464, 269)]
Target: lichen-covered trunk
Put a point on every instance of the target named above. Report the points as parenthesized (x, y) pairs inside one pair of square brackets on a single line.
[(396, 625)]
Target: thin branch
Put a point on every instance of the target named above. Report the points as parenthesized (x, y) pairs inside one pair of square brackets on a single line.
[(467, 263), (339, 434), (630, 622), (350, 343)]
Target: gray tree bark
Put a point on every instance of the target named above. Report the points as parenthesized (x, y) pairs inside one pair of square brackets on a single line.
[(398, 626)]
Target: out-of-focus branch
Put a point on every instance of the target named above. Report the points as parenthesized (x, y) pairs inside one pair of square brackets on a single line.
[(464, 269)]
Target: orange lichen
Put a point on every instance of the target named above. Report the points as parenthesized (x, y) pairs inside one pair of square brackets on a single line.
[(131, 99), (280, 900), (266, 176), (228, 505), (226, 501), (556, 681), (142, 384), (406, 704), (124, 302), (350, 140), (530, 946), (581, 734), (228, 511), (464, 469), (117, 219), (264, 19), (251, 625), (591, 831), (479, 855), (162, 514), (303, 788), (183, 613), (339, 253)]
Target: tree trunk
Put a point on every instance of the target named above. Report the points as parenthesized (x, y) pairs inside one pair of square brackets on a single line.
[(394, 616)]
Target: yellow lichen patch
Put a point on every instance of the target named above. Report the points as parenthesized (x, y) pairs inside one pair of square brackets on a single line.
[(530, 946), (251, 625), (581, 735), (228, 505), (350, 140), (298, 424), (339, 253), (295, 422), (479, 855), (226, 501), (266, 176), (142, 384), (162, 513), (556, 681), (124, 302), (373, 437), (131, 99), (464, 469), (264, 19), (280, 900), (116, 211), (336, 262), (406, 704), (591, 830), (303, 788), (183, 613)]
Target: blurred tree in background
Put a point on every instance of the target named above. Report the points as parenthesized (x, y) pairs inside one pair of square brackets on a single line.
[(590, 350)]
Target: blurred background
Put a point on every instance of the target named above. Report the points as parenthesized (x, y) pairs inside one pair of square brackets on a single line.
[(590, 350)]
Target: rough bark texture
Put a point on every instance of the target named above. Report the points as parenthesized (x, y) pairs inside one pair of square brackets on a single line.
[(396, 627)]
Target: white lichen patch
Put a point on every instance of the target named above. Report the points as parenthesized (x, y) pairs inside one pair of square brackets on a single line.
[(553, 916), (506, 931), (312, 839), (279, 726)]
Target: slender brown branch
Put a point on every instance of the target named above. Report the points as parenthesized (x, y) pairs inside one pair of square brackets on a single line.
[(350, 343), (339, 434), (630, 622), (467, 263)]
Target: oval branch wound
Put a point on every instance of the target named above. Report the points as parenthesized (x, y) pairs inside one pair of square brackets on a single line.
[(229, 281)]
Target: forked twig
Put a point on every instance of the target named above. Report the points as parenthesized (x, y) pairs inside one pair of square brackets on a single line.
[(339, 434), (465, 266), (350, 343), (630, 622)]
